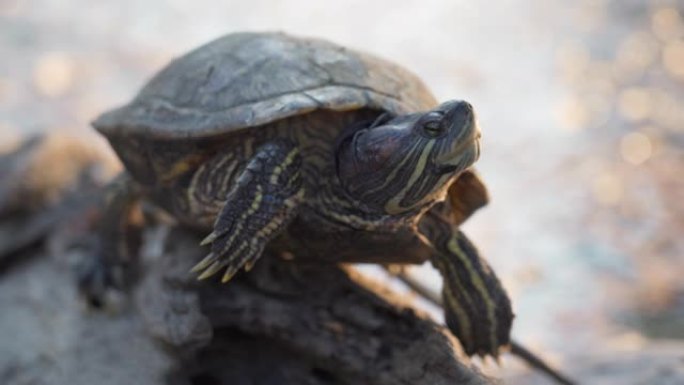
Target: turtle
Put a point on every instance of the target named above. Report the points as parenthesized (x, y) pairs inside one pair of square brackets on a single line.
[(289, 146)]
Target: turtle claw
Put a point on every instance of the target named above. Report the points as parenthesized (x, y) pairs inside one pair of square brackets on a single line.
[(203, 264), (232, 261), (249, 265), (209, 239), (228, 275), (211, 270)]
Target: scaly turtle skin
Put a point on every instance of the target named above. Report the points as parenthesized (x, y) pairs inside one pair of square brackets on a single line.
[(289, 145)]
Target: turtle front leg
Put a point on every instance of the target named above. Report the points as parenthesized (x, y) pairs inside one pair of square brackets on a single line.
[(260, 205), (477, 308)]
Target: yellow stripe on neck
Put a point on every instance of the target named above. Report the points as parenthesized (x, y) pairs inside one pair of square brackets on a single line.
[(393, 206)]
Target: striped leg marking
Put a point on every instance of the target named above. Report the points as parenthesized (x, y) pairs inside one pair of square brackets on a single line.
[(477, 308), (260, 205)]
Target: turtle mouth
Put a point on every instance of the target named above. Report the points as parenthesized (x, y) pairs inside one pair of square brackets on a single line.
[(463, 155)]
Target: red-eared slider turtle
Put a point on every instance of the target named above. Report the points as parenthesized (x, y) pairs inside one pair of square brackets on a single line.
[(299, 146)]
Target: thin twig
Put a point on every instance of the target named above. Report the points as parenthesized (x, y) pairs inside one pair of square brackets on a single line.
[(517, 348)]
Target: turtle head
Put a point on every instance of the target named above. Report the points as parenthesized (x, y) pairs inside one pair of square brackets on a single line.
[(401, 164)]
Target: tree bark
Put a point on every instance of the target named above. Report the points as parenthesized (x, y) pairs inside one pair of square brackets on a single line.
[(325, 324)]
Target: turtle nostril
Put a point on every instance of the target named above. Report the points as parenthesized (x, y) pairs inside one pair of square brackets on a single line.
[(460, 115), (463, 107)]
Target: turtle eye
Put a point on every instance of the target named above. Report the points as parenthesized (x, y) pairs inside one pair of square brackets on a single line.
[(433, 128)]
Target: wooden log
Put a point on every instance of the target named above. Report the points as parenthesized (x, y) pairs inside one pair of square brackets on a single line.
[(341, 327)]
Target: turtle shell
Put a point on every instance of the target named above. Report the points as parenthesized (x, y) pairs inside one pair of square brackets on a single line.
[(245, 80)]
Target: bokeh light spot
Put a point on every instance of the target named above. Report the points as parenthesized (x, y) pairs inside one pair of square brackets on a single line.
[(607, 189), (635, 103), (572, 60), (636, 148), (572, 114), (673, 58), (53, 74), (666, 23), (636, 53)]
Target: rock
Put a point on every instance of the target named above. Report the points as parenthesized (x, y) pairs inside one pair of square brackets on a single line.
[(48, 337)]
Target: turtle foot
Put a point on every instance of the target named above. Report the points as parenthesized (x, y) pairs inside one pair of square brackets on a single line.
[(258, 208), (100, 285)]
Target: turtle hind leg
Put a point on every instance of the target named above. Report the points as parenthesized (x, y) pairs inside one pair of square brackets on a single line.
[(260, 205), (114, 255), (477, 308)]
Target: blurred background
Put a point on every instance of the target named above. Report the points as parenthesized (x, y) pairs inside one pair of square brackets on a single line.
[(580, 105)]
